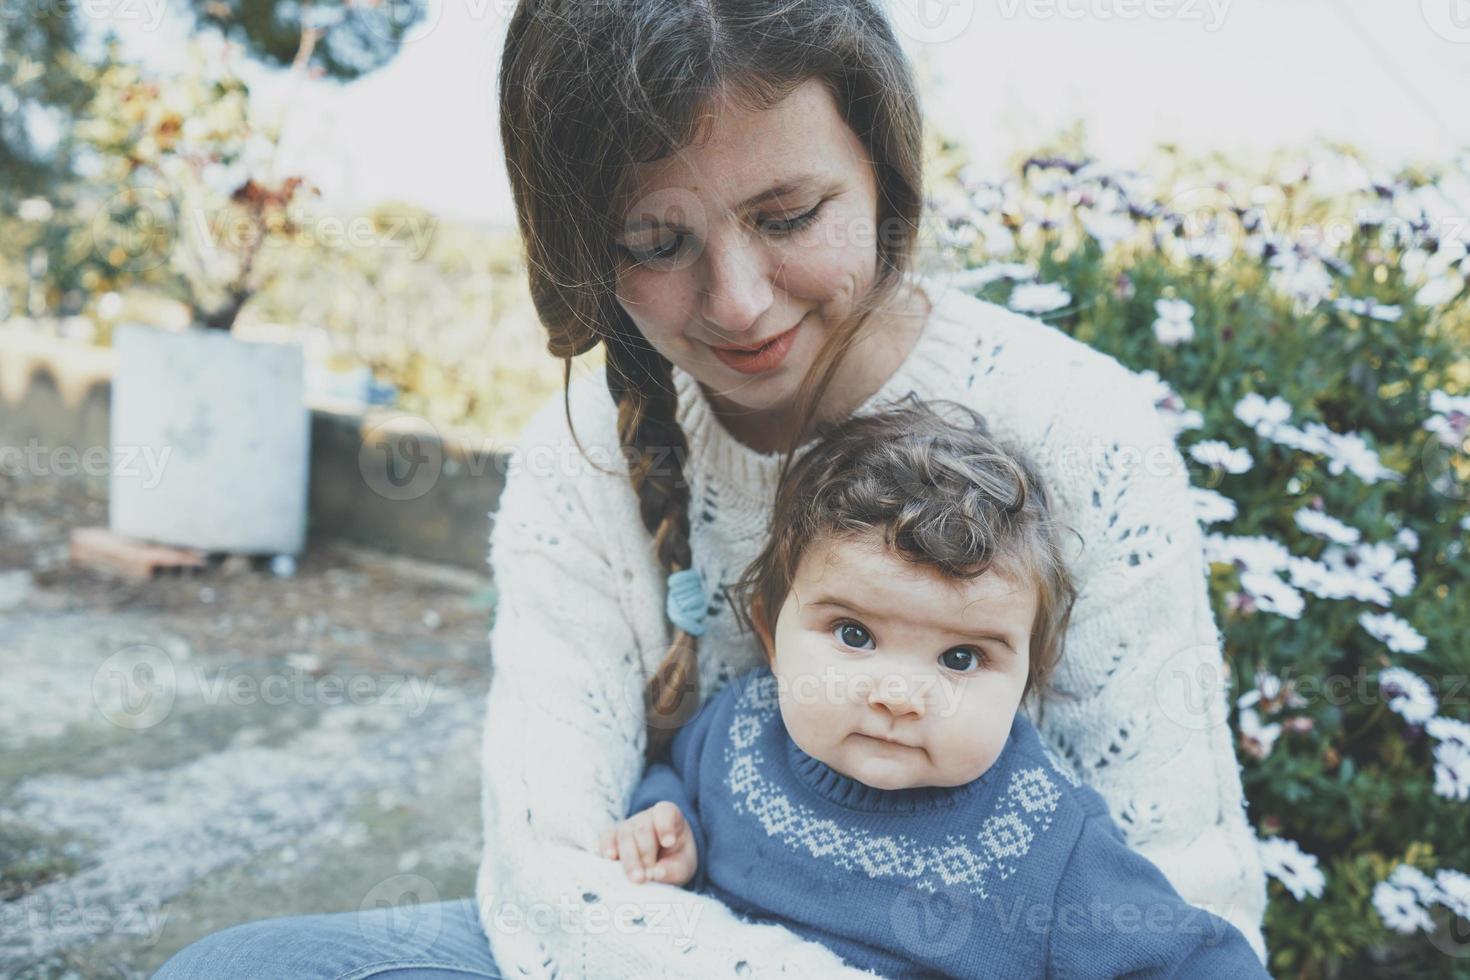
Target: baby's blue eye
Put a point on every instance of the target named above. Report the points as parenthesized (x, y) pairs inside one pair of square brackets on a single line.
[(961, 659), (846, 631)]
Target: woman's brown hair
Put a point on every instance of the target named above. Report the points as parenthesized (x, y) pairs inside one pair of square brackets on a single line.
[(590, 89), (942, 492)]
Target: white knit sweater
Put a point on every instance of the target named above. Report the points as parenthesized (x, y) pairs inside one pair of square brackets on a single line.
[(580, 622)]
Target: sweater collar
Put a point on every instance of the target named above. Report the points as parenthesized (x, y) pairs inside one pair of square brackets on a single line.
[(843, 790), (734, 464)]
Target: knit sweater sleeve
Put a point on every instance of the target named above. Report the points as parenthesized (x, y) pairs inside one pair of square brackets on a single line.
[(562, 752), (1115, 915), (1141, 711), (676, 779)]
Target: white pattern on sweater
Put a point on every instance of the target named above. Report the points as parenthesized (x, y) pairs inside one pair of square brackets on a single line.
[(580, 622)]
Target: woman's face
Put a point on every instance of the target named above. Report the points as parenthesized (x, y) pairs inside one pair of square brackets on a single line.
[(766, 229)]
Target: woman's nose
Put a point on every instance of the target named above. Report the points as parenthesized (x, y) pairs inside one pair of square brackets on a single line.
[(736, 291)]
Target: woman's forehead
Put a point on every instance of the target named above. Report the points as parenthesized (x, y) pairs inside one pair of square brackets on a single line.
[(748, 154)]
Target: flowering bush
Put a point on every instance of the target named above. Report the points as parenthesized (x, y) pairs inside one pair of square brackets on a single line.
[(1305, 335), (186, 163)]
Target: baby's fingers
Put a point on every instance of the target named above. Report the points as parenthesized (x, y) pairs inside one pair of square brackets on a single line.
[(636, 847), (607, 844), (668, 822)]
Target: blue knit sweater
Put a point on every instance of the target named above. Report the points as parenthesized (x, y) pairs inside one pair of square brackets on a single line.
[(1019, 873)]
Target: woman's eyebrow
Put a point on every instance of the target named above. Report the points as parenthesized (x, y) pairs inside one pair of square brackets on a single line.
[(788, 185), (781, 189)]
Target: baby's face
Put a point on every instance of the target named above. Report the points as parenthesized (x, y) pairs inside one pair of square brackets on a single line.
[(894, 675)]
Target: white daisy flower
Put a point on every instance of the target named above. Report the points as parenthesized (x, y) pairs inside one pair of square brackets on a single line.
[(971, 279), (1322, 525), (1411, 879), (1438, 291), (1173, 309), (1256, 738), (1256, 553), (1351, 452), (1389, 629), (1106, 228), (1377, 563), (1261, 414), (1454, 891), (1210, 506), (1172, 333), (1324, 582), (1369, 308), (1400, 910), (1038, 297), (1452, 423), (1285, 861), (1413, 263), (1452, 771), (1273, 595), (1408, 694), (1407, 539), (1304, 279), (1399, 578), (1449, 730), (1301, 439), (1271, 689), (1218, 454)]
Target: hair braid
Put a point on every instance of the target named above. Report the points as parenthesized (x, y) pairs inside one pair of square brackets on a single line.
[(641, 383)]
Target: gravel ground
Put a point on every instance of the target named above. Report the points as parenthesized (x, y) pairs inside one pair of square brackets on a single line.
[(180, 755)]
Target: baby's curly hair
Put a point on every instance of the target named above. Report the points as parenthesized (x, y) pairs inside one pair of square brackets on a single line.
[(944, 494)]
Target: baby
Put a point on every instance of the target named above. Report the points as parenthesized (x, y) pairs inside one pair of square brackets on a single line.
[(875, 787)]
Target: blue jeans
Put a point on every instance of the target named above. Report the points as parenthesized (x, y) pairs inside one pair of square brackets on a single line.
[(429, 941)]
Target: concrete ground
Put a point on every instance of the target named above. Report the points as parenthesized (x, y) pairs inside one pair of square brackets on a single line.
[(184, 754)]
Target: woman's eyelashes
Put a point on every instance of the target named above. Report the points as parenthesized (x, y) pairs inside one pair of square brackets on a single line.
[(787, 226), (961, 660), (668, 251)]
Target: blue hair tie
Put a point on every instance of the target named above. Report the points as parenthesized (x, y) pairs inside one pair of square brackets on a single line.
[(686, 604)]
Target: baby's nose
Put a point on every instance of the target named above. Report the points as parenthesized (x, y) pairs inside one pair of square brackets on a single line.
[(897, 695)]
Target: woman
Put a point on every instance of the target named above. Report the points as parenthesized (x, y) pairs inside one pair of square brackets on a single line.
[(693, 177)]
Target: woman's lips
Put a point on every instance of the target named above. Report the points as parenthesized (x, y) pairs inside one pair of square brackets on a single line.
[(761, 359)]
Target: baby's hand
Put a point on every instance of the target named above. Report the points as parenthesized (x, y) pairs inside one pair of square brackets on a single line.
[(654, 843)]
